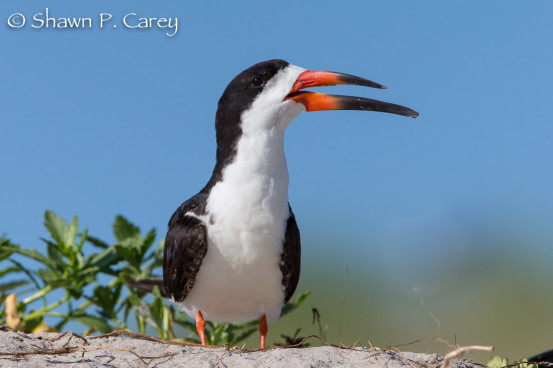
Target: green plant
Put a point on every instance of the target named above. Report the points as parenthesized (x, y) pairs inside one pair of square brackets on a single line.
[(498, 362), (91, 289)]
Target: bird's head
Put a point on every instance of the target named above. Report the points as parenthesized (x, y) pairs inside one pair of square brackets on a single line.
[(270, 94)]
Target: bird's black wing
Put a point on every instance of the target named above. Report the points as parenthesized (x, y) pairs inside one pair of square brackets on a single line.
[(291, 257), (185, 249)]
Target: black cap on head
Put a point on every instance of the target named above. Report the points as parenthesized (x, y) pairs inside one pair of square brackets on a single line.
[(237, 97)]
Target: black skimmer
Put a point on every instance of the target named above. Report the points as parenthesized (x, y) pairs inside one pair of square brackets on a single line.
[(232, 252)]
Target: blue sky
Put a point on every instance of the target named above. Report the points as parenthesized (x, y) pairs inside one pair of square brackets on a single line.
[(99, 122)]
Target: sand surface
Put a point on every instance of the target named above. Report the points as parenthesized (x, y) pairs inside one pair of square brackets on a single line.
[(66, 350)]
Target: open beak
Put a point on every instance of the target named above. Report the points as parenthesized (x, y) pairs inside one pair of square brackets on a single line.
[(320, 101)]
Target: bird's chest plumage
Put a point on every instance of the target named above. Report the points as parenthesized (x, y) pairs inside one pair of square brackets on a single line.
[(240, 277), (248, 209)]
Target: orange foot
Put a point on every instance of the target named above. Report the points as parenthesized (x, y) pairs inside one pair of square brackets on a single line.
[(200, 326), (263, 330)]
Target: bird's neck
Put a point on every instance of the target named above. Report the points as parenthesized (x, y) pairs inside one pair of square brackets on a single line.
[(259, 163), (261, 154), (255, 182)]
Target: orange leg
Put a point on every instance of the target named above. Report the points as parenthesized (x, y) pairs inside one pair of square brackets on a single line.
[(263, 330), (200, 326)]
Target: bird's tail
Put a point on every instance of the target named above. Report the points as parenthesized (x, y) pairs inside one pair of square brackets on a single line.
[(147, 285)]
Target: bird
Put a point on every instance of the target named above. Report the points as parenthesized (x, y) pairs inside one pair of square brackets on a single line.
[(232, 251)]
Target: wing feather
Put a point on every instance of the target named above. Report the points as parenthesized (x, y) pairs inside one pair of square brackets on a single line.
[(291, 257), (184, 251)]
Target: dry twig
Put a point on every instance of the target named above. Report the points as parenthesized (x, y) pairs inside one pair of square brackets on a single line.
[(460, 351)]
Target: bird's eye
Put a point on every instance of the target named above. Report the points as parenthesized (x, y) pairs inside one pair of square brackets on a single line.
[(257, 81)]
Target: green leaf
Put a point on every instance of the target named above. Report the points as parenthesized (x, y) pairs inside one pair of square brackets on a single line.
[(216, 335), (158, 254), (96, 242), (291, 305), (54, 254), (181, 319), (106, 314), (156, 258), (6, 248), (106, 298), (29, 325), (75, 291), (7, 270), (523, 363), (139, 307), (27, 272), (79, 262), (129, 250), (55, 226), (141, 322), (7, 286), (123, 229), (93, 322), (102, 260), (157, 307), (243, 336), (497, 362), (53, 278), (166, 326), (70, 234), (134, 300), (83, 235), (148, 241), (34, 254)]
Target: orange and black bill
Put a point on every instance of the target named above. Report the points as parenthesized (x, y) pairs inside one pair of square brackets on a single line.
[(320, 101)]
